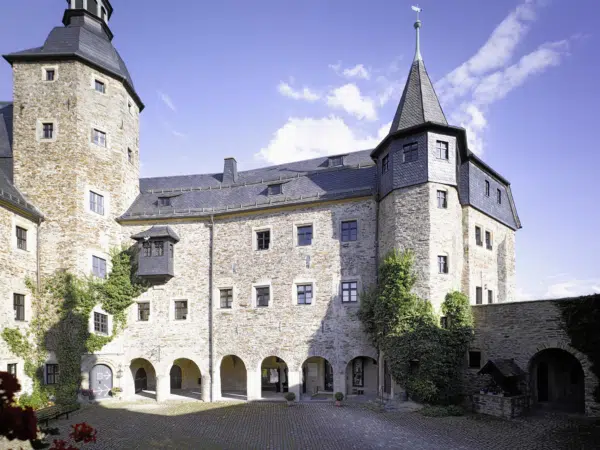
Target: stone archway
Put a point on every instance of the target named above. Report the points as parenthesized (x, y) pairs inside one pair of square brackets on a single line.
[(557, 380), (234, 376), (274, 377), (144, 377), (185, 379), (317, 377), (361, 376)]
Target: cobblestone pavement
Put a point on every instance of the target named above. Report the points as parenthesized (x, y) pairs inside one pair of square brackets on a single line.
[(320, 426)]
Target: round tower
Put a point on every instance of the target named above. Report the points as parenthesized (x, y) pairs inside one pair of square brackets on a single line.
[(76, 138)]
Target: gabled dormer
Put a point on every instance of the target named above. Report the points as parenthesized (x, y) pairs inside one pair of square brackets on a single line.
[(156, 253)]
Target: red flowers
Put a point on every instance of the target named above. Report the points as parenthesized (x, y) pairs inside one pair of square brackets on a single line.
[(15, 422), (83, 432)]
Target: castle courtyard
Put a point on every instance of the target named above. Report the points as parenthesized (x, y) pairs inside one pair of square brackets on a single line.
[(228, 425)]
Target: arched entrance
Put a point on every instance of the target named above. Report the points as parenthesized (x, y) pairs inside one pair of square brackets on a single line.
[(317, 376), (101, 381), (233, 378), (361, 376), (186, 379), (273, 378), (557, 380), (144, 377)]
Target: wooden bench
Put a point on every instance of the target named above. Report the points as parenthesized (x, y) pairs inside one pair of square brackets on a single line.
[(54, 412)]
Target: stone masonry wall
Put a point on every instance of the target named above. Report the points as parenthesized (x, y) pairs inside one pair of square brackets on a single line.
[(520, 330), (16, 266)]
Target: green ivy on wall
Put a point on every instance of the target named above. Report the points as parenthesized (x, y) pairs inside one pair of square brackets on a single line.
[(424, 358), (61, 311), (581, 321)]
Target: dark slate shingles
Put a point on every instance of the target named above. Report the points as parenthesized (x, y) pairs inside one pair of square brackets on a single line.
[(10, 194), (6, 119)]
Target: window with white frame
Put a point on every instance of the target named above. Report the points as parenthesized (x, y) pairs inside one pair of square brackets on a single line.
[(263, 296), (96, 203), (100, 323), (99, 137), (443, 264), (442, 149), (305, 235), (50, 74), (99, 267), (349, 291), (263, 239), (304, 293), (181, 309), (143, 311), (47, 131), (442, 199), (226, 297), (99, 86)]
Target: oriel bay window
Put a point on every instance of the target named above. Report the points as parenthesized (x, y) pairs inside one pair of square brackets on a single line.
[(181, 309), (263, 295), (304, 293), (226, 298), (349, 292), (155, 257)]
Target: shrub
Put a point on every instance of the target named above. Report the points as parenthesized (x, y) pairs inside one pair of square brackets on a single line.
[(339, 396), (289, 396), (442, 411)]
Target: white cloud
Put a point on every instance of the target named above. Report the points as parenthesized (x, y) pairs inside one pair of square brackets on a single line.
[(305, 94), (304, 138), (167, 100), (349, 98), (560, 286), (358, 71)]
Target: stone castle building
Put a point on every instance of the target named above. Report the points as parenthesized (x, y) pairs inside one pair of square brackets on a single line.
[(255, 275)]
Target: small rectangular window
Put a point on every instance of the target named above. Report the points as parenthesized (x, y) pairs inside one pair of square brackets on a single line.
[(263, 239), (130, 155), (474, 359), (336, 161), (499, 195), (100, 323), (349, 231), (442, 199), (385, 164), (488, 240), (147, 249), (305, 235), (100, 86), (144, 312), (21, 238), (99, 137), (52, 373), (226, 298), (443, 264), (164, 201), (181, 310), (304, 293), (275, 189), (99, 267), (12, 369), (490, 296), (263, 296), (19, 307), (96, 203), (444, 322), (478, 239), (442, 149), (47, 130), (50, 74), (170, 250), (159, 248), (349, 292), (411, 152), (487, 188), (478, 295)]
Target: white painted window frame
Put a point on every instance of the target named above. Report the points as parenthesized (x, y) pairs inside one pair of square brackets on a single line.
[(39, 130), (109, 321), (136, 312), (265, 283), (255, 231), (217, 297), (188, 318), (46, 69), (18, 221), (301, 281), (100, 130)]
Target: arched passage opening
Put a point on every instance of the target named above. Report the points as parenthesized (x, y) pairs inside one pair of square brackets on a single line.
[(274, 379), (101, 381), (557, 380), (361, 376), (144, 377), (185, 378), (233, 378), (317, 377)]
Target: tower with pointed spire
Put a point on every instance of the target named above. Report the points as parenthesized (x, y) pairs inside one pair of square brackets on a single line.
[(421, 163), (76, 127)]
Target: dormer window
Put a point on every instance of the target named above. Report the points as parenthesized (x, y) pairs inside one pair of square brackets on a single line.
[(275, 189), (336, 161), (385, 164), (164, 201)]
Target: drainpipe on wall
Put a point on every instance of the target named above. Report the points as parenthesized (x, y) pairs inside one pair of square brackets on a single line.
[(210, 305), (37, 255), (376, 196)]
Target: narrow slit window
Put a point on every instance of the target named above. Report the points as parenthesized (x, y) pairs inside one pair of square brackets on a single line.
[(143, 312), (21, 238), (19, 307)]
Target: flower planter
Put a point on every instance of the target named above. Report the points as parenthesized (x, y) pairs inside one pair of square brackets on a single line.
[(338, 403)]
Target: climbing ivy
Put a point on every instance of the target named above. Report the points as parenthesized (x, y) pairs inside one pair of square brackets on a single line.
[(61, 310), (424, 358), (581, 321)]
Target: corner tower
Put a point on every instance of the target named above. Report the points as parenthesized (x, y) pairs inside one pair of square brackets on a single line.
[(76, 137), (417, 183)]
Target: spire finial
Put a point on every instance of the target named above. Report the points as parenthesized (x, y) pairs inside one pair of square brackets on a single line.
[(417, 26)]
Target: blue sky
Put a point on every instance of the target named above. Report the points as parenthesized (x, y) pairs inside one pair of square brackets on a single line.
[(271, 81)]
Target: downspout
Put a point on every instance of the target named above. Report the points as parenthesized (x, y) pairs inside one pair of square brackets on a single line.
[(210, 304), (38, 233), (376, 196)]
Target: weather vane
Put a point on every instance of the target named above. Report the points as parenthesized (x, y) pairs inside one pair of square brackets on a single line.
[(417, 10), (417, 26)]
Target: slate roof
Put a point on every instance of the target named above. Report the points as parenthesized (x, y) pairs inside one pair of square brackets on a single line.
[(505, 367), (11, 195), (157, 231), (6, 119), (419, 103), (303, 181), (82, 39)]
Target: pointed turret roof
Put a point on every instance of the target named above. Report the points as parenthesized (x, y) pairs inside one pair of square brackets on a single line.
[(419, 103)]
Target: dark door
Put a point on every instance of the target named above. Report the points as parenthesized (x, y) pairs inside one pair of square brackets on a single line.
[(175, 377), (101, 381), (542, 382), (304, 379), (141, 380), (328, 382)]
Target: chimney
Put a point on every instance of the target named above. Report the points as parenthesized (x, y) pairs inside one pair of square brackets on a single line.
[(230, 175)]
